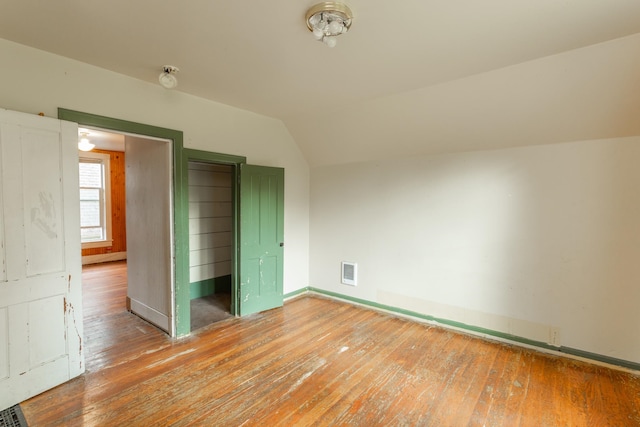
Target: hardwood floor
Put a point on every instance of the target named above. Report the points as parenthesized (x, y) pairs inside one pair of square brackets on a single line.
[(318, 362)]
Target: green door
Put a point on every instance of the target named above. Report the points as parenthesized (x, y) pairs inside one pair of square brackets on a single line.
[(261, 238)]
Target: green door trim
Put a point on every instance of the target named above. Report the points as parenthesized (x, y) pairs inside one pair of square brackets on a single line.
[(180, 215), (188, 155)]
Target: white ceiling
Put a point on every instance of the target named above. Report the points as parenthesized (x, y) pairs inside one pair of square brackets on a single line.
[(398, 57), (102, 139)]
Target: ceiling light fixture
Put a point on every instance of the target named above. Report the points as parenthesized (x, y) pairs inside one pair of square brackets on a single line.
[(85, 144), (167, 78), (328, 20)]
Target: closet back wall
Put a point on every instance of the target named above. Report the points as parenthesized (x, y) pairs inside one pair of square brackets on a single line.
[(210, 228)]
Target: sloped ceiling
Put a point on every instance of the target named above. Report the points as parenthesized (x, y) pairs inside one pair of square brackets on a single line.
[(414, 76)]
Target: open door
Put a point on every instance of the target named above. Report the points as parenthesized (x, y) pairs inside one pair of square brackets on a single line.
[(261, 238), (40, 264), (149, 204)]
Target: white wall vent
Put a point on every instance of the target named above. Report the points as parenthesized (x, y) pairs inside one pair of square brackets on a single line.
[(349, 273)]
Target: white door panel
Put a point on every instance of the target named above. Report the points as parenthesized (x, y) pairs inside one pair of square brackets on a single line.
[(20, 291), (40, 288), (43, 202)]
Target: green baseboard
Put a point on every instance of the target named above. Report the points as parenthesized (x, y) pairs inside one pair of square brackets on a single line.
[(295, 293), (600, 358), (212, 286), (478, 330)]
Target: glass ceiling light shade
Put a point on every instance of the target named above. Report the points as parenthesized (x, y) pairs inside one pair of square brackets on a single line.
[(168, 78), (328, 20), (85, 144)]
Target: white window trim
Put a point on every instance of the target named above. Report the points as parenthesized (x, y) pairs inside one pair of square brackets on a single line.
[(105, 159)]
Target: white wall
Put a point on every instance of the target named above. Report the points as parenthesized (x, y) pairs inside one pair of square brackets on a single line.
[(34, 81), (542, 242)]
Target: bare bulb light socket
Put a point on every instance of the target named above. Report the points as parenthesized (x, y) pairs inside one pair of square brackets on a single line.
[(168, 78), (84, 144)]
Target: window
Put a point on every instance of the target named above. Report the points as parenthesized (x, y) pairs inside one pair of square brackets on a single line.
[(95, 200)]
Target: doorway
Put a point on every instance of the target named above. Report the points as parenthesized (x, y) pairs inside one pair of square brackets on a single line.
[(212, 205), (133, 218), (211, 231), (257, 252), (154, 279)]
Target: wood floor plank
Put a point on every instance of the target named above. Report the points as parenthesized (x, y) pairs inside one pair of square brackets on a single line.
[(320, 362), (351, 374)]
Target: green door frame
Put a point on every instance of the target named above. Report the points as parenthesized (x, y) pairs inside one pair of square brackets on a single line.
[(217, 158), (180, 215)]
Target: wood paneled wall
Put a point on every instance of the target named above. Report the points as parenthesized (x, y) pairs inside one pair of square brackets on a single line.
[(210, 221), (118, 206)]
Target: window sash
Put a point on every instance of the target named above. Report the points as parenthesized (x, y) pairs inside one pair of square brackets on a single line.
[(94, 221)]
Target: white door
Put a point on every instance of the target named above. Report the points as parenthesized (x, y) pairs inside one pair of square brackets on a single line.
[(149, 231), (40, 284)]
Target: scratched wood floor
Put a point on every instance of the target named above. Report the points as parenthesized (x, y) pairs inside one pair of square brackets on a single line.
[(318, 362)]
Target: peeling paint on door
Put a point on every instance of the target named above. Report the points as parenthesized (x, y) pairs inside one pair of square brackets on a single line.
[(70, 314), (44, 216)]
